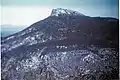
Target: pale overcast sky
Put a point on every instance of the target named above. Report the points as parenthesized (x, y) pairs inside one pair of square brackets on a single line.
[(26, 12)]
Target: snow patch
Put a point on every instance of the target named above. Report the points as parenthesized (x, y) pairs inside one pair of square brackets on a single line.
[(58, 11), (32, 38)]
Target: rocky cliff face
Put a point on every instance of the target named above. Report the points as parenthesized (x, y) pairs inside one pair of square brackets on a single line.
[(67, 45)]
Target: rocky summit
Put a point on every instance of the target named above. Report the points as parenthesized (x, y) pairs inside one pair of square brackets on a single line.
[(67, 45)]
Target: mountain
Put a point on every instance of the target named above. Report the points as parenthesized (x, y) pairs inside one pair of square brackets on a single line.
[(67, 45)]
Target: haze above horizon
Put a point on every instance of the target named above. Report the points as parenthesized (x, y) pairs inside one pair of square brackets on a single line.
[(27, 12)]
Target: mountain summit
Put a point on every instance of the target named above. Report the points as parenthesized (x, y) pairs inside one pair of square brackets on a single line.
[(61, 11)]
